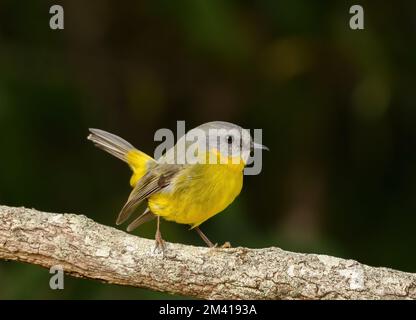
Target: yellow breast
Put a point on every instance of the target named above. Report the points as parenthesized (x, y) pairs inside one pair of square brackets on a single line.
[(198, 193)]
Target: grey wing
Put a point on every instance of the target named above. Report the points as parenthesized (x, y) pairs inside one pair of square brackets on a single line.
[(153, 182)]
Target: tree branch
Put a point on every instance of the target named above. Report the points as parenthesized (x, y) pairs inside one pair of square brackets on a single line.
[(89, 250)]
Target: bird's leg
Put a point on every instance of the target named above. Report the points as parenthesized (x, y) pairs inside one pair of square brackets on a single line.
[(205, 238), (158, 237)]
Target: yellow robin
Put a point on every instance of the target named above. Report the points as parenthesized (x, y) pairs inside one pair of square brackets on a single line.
[(176, 188)]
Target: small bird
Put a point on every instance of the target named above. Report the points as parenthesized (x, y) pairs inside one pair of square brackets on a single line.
[(186, 192)]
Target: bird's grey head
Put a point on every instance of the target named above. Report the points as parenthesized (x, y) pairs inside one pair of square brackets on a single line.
[(230, 140), (221, 141)]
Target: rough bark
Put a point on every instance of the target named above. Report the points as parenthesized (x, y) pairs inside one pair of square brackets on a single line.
[(90, 250)]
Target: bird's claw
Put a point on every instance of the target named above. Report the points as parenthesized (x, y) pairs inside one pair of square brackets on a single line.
[(159, 243), (226, 245)]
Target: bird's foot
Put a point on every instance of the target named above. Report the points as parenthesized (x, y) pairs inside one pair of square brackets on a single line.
[(226, 245), (160, 244)]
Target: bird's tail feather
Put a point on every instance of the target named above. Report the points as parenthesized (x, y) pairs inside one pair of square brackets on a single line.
[(110, 143), (146, 216), (123, 150)]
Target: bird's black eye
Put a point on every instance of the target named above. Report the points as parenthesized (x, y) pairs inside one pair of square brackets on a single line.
[(229, 139)]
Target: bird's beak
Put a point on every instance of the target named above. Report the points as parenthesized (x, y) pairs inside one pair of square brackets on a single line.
[(259, 146)]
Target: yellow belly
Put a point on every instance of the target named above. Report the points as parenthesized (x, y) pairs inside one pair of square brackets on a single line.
[(198, 193)]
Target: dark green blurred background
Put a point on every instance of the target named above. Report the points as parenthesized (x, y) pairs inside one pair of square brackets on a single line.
[(337, 109)]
